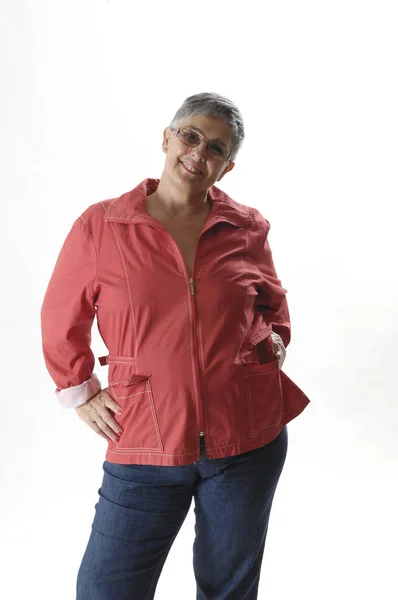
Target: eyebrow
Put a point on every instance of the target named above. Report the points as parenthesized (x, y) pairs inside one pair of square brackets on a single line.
[(213, 140)]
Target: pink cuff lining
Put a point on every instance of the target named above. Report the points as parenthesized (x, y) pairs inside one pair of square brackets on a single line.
[(76, 395)]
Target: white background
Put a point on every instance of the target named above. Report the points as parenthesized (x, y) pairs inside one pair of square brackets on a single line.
[(87, 88)]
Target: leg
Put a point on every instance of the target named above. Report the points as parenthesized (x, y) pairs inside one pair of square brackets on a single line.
[(139, 513), (232, 508)]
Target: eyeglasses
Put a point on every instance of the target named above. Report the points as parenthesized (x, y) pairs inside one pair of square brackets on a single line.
[(192, 138)]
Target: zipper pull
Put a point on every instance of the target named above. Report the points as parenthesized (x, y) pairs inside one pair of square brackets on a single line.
[(192, 284)]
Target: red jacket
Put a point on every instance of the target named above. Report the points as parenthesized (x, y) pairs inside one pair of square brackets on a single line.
[(187, 356)]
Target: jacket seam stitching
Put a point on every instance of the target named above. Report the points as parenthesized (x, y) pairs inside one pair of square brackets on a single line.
[(128, 290), (159, 453), (245, 272), (96, 253)]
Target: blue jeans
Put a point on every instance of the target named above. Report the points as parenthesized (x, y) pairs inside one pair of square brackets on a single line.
[(141, 509)]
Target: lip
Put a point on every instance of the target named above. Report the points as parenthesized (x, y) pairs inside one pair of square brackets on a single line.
[(192, 164)]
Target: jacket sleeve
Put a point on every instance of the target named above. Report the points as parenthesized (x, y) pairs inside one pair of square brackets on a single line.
[(67, 315), (271, 300)]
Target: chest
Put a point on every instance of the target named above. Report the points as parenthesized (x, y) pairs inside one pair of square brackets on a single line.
[(186, 237), (150, 260), (185, 232)]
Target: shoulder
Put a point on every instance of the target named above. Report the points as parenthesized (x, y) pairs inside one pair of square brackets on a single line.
[(93, 216), (259, 222), (259, 225), (248, 215)]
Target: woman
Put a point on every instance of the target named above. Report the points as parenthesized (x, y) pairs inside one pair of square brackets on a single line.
[(182, 282)]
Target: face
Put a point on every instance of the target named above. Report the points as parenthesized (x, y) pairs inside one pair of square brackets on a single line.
[(212, 169)]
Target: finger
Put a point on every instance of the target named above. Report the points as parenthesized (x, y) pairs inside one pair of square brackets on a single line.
[(109, 402), (107, 430), (103, 398), (98, 430), (102, 434), (112, 405), (111, 421)]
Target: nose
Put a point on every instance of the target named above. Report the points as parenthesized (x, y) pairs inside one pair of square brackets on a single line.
[(199, 151)]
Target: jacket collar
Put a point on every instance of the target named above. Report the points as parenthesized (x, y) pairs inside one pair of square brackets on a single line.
[(131, 207)]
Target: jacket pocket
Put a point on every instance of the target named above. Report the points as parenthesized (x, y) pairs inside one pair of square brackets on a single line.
[(264, 396), (138, 418)]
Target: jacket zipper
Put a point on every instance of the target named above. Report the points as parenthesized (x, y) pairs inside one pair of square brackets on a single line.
[(191, 282), (196, 361)]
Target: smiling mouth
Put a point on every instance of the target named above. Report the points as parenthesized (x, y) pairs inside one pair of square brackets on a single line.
[(191, 169)]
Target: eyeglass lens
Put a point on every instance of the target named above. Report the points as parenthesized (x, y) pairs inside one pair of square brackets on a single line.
[(192, 138)]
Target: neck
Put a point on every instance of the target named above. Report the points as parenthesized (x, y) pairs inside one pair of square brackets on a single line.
[(177, 200)]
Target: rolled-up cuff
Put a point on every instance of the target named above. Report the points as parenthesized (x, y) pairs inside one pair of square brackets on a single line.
[(76, 395)]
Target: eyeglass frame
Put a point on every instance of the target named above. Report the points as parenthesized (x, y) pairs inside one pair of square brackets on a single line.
[(203, 139)]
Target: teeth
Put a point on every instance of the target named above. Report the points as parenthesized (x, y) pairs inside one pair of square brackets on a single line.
[(192, 169)]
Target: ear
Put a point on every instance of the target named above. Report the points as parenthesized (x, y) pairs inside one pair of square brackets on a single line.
[(167, 133), (228, 168)]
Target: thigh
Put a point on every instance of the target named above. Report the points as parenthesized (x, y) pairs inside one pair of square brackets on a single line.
[(138, 515), (232, 509)]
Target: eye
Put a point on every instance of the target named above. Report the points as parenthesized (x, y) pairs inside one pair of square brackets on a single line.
[(190, 136), (216, 149)]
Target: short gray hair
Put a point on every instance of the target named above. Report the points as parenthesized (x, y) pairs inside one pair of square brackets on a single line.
[(213, 105)]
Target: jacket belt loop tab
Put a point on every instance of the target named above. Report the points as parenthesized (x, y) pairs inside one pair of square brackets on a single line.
[(103, 360)]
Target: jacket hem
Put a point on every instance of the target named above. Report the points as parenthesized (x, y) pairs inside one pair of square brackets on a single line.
[(172, 460), (148, 458)]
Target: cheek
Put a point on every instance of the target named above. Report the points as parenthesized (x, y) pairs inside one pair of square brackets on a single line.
[(217, 173), (172, 157)]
